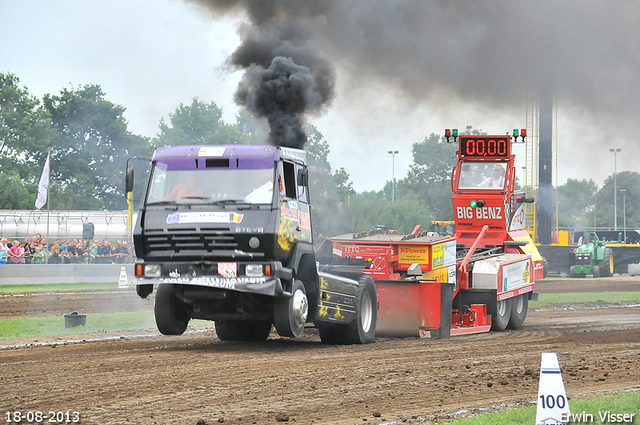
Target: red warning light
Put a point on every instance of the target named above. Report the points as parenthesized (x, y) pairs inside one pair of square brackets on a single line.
[(523, 132), (447, 132)]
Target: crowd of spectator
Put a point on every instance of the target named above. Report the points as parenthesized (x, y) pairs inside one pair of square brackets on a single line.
[(35, 250)]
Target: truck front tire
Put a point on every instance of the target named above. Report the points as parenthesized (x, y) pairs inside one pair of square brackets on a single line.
[(171, 317), (290, 313)]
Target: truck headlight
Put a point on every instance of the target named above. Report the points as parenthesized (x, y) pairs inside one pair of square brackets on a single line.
[(152, 270), (254, 270)]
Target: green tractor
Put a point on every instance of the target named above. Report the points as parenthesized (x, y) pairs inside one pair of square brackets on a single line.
[(593, 258)]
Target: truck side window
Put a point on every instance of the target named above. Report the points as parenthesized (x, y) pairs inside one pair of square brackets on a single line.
[(302, 190), (289, 180)]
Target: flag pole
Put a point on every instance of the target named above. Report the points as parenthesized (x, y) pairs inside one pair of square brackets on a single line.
[(48, 197), (43, 192)]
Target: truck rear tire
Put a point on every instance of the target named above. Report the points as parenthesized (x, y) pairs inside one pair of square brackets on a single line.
[(519, 308), (170, 312), (501, 315), (290, 313), (362, 329), (243, 330)]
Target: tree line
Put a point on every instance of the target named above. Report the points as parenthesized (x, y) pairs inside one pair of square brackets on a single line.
[(89, 143)]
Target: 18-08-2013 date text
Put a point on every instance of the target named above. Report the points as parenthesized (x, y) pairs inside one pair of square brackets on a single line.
[(41, 417)]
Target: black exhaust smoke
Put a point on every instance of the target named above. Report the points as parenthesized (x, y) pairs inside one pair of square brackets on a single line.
[(286, 75), (485, 54), (296, 81)]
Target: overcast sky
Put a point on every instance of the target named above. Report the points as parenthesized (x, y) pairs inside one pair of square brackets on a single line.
[(151, 55)]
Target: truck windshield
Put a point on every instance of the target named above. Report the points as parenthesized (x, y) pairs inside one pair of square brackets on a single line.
[(482, 175), (211, 185)]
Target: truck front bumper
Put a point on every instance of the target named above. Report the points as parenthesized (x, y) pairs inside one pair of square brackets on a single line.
[(203, 274), (268, 285)]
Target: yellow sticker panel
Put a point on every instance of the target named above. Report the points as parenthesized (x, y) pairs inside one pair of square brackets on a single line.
[(409, 254), (438, 256), (440, 275)]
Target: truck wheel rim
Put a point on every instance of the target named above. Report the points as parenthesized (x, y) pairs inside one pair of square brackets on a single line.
[(300, 307), (520, 304), (366, 312), (502, 308)]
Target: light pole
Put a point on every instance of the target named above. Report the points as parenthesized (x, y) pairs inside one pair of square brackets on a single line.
[(595, 212), (615, 188), (624, 212), (393, 175)]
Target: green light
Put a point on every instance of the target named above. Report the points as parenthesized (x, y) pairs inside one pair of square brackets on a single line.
[(515, 132), (454, 132), (473, 204)]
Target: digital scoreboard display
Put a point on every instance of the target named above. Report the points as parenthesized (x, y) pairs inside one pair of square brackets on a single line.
[(485, 146)]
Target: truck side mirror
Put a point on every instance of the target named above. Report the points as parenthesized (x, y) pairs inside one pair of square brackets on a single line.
[(525, 200), (303, 177), (128, 180)]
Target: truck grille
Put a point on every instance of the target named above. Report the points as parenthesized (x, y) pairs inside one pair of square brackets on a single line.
[(188, 241)]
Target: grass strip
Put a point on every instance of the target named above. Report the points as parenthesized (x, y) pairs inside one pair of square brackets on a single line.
[(583, 297), (54, 326), (57, 287), (622, 403)]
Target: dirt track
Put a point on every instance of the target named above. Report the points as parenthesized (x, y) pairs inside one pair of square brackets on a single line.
[(195, 378)]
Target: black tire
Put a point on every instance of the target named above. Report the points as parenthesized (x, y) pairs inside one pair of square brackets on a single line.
[(170, 312), (572, 272), (290, 313), (362, 329), (606, 270), (243, 330), (595, 272), (519, 308), (501, 315), (330, 333)]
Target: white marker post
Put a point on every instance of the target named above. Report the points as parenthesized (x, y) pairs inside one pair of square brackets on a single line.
[(123, 282), (553, 406)]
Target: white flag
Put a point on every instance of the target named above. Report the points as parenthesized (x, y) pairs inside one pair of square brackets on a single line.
[(43, 188)]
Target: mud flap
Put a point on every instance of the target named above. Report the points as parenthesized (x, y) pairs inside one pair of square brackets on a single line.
[(446, 304), (144, 290)]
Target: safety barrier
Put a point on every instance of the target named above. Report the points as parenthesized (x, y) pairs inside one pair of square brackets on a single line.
[(62, 273)]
